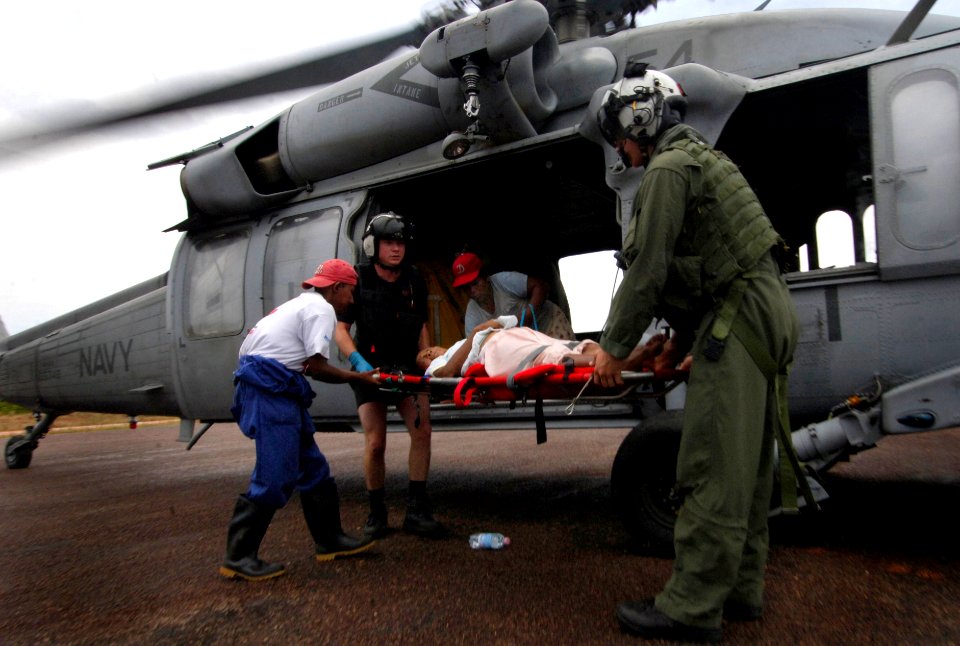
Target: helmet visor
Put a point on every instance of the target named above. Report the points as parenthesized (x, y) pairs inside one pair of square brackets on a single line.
[(608, 120), (389, 227)]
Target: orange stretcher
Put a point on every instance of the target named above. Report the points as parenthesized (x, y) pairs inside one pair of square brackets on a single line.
[(538, 383)]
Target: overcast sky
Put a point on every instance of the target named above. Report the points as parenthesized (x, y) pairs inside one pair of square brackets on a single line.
[(84, 219)]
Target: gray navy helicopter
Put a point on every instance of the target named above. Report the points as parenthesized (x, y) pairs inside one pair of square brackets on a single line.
[(484, 132)]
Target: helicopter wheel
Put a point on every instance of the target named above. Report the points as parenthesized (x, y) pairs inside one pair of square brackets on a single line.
[(19, 452), (643, 481)]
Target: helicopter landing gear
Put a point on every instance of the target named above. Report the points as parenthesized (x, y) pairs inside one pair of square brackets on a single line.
[(19, 452), (19, 449), (643, 481)]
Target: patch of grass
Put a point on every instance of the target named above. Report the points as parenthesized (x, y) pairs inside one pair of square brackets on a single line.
[(7, 408), (15, 418)]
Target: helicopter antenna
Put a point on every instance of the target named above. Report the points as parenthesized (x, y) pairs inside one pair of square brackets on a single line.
[(911, 22), (763, 5), (183, 158)]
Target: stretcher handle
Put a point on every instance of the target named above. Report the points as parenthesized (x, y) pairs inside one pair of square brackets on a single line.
[(629, 376)]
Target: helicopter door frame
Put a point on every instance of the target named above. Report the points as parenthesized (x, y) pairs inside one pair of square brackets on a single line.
[(209, 314), (915, 107), (297, 240)]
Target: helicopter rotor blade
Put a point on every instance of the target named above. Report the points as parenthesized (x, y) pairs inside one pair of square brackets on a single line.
[(323, 69), (318, 70)]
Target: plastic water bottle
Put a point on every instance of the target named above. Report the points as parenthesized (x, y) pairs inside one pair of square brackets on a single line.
[(488, 541)]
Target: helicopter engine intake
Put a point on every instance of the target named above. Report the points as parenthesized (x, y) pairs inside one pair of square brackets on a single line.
[(395, 107)]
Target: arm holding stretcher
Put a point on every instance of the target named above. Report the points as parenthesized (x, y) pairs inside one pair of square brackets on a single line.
[(317, 367), (661, 354)]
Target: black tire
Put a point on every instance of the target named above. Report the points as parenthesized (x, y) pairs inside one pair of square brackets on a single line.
[(18, 453), (643, 481)]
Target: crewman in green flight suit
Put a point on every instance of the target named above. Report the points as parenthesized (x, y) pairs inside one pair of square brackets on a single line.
[(700, 253)]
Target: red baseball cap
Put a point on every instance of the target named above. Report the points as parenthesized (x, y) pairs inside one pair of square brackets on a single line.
[(466, 269), (332, 271)]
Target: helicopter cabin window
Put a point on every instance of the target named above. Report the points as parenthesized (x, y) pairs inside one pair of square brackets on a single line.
[(925, 161), (869, 224), (214, 288), (835, 240), (590, 281), (295, 246), (840, 242)]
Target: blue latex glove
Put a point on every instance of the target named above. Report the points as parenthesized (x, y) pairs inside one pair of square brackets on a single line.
[(358, 362)]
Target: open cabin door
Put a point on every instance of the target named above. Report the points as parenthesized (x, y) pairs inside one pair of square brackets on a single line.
[(915, 106)]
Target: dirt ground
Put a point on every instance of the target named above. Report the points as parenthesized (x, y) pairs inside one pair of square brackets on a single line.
[(114, 537)]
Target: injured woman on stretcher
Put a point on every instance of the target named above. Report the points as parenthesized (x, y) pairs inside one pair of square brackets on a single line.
[(503, 349)]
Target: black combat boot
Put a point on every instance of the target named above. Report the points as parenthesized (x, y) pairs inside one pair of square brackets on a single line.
[(741, 611), (376, 526), (247, 528), (321, 509), (419, 519), (643, 618)]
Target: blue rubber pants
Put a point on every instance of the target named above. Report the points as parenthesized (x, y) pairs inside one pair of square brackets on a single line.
[(279, 423)]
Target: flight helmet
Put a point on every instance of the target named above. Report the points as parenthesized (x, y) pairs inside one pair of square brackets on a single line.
[(386, 226), (641, 106)]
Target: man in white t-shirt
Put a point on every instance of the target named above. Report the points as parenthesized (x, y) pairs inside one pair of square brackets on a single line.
[(271, 405)]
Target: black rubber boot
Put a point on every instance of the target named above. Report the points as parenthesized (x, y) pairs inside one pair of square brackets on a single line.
[(419, 519), (321, 509), (244, 535)]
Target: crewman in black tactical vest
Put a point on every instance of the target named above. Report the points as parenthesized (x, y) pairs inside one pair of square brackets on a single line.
[(700, 253), (390, 313)]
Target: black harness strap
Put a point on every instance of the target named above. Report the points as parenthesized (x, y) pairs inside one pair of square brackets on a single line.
[(541, 422)]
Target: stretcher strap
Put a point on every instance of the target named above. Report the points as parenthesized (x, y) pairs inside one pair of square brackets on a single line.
[(523, 378), (523, 364), (464, 392), (540, 420), (476, 370)]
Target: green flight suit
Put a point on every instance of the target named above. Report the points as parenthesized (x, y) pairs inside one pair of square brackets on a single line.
[(725, 463)]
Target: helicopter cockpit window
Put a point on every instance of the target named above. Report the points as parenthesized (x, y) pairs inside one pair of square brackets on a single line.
[(295, 246), (214, 285)]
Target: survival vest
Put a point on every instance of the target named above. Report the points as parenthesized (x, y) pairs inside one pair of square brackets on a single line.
[(390, 317), (730, 231)]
